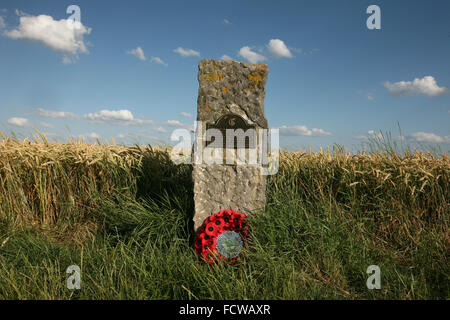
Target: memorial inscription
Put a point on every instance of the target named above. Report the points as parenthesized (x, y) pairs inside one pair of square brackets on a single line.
[(235, 133)]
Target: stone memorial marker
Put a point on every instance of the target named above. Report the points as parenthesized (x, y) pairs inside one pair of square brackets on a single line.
[(230, 123)]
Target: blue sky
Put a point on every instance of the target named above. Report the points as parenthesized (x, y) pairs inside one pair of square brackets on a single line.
[(130, 71)]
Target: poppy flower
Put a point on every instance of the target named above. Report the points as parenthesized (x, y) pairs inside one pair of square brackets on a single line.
[(221, 236)]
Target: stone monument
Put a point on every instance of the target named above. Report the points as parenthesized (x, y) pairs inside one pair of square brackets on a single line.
[(230, 104)]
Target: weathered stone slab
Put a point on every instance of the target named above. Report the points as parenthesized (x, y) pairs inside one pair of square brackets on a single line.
[(231, 94)]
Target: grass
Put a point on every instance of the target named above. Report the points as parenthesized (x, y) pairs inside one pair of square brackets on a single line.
[(123, 214)]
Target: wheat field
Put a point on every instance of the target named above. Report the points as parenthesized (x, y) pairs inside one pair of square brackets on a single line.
[(123, 214)]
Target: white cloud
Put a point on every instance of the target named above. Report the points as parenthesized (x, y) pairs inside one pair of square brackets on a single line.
[(186, 52), (55, 114), (58, 35), (138, 52), (178, 124), (106, 115), (250, 55), (427, 137), (371, 134), (427, 85), (226, 57), (20, 13), (120, 117), (46, 125), (159, 61), (161, 130), (92, 135), (174, 123), (185, 114), (226, 21), (20, 122), (278, 49), (138, 122), (369, 96), (302, 131), (2, 22), (375, 135)]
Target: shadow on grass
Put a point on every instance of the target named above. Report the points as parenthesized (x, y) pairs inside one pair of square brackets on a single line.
[(163, 184)]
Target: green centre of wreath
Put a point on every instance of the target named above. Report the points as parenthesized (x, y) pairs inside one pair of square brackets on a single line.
[(229, 244)]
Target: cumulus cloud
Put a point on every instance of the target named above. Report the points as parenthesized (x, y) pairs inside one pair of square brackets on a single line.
[(87, 136), (106, 115), (138, 52), (226, 21), (55, 114), (185, 114), (225, 57), (174, 123), (159, 61), (186, 52), (59, 35), (20, 122), (251, 56), (427, 137), (178, 124), (302, 131), (275, 48), (120, 117), (370, 134), (278, 49), (161, 130), (427, 85)]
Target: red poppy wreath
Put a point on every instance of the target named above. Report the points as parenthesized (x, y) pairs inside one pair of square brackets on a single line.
[(222, 236)]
